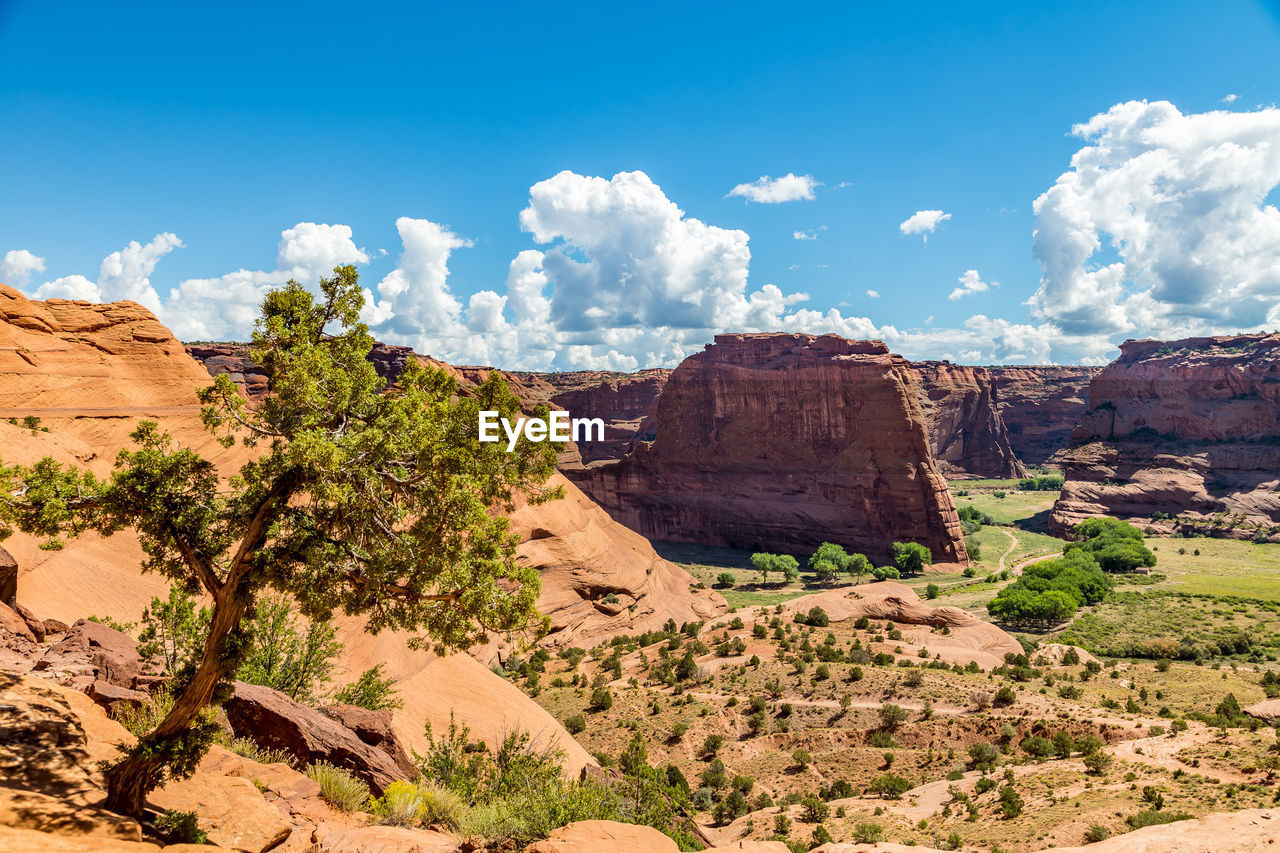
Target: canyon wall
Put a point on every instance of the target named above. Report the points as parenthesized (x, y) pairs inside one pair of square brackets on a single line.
[(961, 408), (626, 402), (1040, 405), (779, 442), (1189, 429)]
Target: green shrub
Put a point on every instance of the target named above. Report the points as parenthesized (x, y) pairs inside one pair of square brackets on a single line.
[(338, 787), (575, 724), (250, 749), (889, 786), (1152, 818), (371, 690), (1096, 833), (418, 804), (180, 828), (601, 699)]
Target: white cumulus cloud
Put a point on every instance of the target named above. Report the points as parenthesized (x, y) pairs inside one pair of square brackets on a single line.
[(874, 294), (767, 190), (1230, 99), (1161, 227), (18, 266), (923, 222), (970, 283)]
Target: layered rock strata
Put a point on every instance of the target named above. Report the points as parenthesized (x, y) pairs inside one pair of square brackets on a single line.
[(962, 415), (1040, 406), (779, 442), (1188, 429)]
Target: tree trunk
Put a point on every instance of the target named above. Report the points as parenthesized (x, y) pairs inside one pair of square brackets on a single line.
[(132, 780)]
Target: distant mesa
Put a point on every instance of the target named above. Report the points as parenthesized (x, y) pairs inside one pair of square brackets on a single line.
[(781, 441), (1187, 429)]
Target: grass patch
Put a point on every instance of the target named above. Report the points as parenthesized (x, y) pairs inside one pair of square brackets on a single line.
[(338, 787), (1223, 567)]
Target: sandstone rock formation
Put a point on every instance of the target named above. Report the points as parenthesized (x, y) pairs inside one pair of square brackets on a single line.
[(968, 637), (962, 415), (778, 442), (604, 836), (1187, 428), (626, 402), (1040, 406)]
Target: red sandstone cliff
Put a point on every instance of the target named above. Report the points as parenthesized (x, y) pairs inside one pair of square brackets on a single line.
[(1188, 428), (626, 402), (1040, 406), (962, 416), (779, 442)]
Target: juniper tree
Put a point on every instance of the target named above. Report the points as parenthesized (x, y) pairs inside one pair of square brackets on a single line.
[(378, 502)]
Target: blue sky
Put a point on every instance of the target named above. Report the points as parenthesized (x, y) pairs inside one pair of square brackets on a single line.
[(227, 125)]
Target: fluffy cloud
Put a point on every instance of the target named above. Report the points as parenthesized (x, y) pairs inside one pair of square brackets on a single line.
[(1161, 225), (18, 265), (125, 274), (923, 222), (874, 294), (225, 307), (1230, 99), (767, 190), (970, 283)]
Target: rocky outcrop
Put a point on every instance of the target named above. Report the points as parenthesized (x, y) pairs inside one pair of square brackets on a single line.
[(966, 639), (8, 578), (779, 442), (604, 836), (1188, 429), (1040, 406), (962, 418), (376, 729), (275, 721), (626, 402)]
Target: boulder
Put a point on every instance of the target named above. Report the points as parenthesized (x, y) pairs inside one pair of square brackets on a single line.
[(375, 729), (8, 578), (13, 625), (113, 655), (750, 846), (14, 840), (604, 836), (114, 698), (55, 626), (274, 720), (329, 838), (230, 809), (35, 624), (1268, 711)]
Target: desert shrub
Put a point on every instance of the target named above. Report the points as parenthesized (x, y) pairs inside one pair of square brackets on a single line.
[(1010, 802), (712, 744), (868, 833), (173, 632), (892, 716), (725, 580), (815, 810), (601, 699), (801, 758), (575, 724), (338, 787), (881, 739), (418, 804), (1097, 763), (1152, 818), (180, 828), (296, 658), (252, 750), (371, 690), (986, 783), (1096, 833), (1005, 697), (931, 591), (890, 786)]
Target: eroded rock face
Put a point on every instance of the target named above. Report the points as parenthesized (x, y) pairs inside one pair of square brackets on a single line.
[(962, 416), (1187, 428), (779, 442), (626, 402), (1040, 406)]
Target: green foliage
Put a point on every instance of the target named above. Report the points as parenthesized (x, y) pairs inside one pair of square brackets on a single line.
[(385, 505), (173, 632), (180, 827), (726, 580), (1115, 545), (881, 573), (783, 564), (889, 786), (1042, 483), (1154, 818), (868, 833), (338, 787), (1095, 833), (252, 750), (931, 591), (576, 724), (413, 804), (295, 659), (1010, 802), (371, 690), (1052, 590), (910, 558), (892, 716), (601, 699)]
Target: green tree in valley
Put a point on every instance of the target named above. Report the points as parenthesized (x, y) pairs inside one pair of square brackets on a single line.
[(783, 564), (910, 558), (381, 503)]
